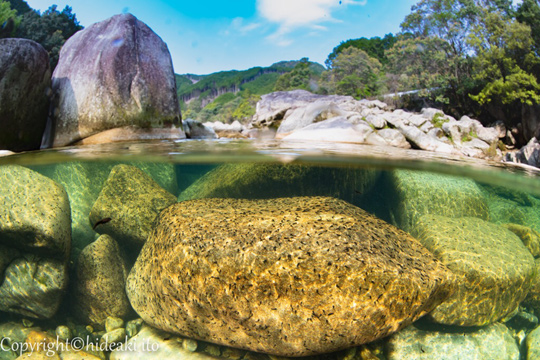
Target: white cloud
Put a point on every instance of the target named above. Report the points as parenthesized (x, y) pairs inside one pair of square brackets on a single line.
[(292, 14), (239, 25)]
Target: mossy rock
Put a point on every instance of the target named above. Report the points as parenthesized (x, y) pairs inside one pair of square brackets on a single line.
[(533, 297), (127, 206), (494, 270), (83, 182), (530, 237), (288, 277), (265, 181), (420, 193)]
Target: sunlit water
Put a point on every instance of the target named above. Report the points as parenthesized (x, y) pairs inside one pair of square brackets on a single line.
[(432, 197)]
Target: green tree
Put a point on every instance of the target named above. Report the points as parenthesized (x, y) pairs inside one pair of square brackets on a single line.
[(505, 61), (354, 73), (528, 13), (298, 78), (51, 29), (423, 64), (8, 19), (374, 47)]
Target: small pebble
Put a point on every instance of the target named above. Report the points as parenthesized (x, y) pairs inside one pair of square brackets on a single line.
[(232, 353), (114, 338), (63, 332), (212, 350), (113, 323), (133, 327), (189, 345), (27, 323)]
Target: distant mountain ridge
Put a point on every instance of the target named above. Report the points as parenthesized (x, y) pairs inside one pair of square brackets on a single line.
[(257, 80)]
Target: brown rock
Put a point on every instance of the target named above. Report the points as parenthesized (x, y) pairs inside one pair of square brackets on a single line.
[(289, 277), (99, 290)]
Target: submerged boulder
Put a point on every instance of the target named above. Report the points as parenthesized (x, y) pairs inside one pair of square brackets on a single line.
[(264, 181), (289, 276), (128, 204), (35, 232), (25, 79), (494, 270), (99, 288), (418, 193), (113, 74), (494, 342)]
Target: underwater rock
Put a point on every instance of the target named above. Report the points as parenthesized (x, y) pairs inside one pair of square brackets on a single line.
[(532, 344), (419, 193), (289, 277), (533, 296), (113, 74), (11, 333), (264, 181), (494, 270), (25, 80), (34, 212), (153, 344), (530, 237), (36, 232), (83, 182), (128, 204), (99, 288), (494, 342), (33, 286)]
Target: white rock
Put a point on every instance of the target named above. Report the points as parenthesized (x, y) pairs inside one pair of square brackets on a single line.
[(417, 120), (377, 121), (425, 142), (303, 116), (395, 138)]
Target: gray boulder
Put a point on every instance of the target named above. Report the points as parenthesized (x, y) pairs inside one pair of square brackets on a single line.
[(113, 74), (99, 287), (529, 154), (336, 129), (24, 86), (289, 277), (494, 342), (196, 130)]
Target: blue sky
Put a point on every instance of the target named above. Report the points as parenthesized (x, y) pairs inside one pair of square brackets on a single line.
[(206, 36)]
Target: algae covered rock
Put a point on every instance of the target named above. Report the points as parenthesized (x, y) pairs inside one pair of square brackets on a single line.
[(420, 193), (532, 344), (25, 80), (289, 276), (34, 212), (99, 287), (533, 296), (35, 240), (128, 204), (83, 182), (264, 181), (494, 342), (113, 74), (530, 237), (494, 270)]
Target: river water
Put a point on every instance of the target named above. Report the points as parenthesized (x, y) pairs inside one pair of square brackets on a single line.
[(73, 222)]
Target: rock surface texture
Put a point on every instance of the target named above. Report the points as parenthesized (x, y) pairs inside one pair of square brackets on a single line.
[(301, 115), (35, 238), (24, 86), (113, 74), (494, 270), (99, 288), (128, 204), (289, 276)]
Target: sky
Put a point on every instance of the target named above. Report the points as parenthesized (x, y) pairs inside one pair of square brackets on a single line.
[(206, 36)]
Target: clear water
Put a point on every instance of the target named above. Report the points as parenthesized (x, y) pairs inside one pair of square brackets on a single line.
[(432, 197)]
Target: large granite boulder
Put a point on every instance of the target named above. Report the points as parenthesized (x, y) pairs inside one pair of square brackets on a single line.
[(99, 286), (83, 182), (529, 154), (533, 296), (265, 181), (412, 194), (494, 342), (25, 79), (35, 240), (113, 74), (128, 204), (288, 276), (532, 344), (494, 269)]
